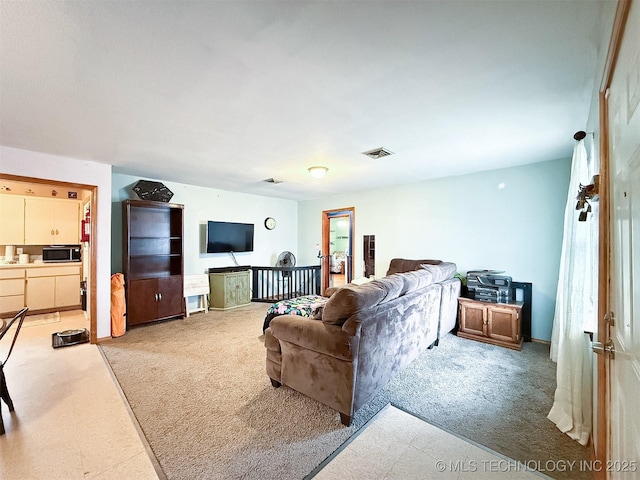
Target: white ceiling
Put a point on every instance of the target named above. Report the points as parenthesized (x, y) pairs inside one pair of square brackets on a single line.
[(227, 94)]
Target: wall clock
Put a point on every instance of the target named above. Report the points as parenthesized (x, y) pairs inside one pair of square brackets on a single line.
[(270, 223)]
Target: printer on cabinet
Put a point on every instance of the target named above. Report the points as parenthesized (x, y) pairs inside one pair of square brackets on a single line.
[(488, 286)]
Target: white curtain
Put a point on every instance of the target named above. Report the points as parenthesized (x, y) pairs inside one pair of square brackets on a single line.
[(575, 311)]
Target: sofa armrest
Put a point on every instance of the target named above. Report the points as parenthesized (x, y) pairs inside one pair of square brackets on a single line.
[(315, 335)]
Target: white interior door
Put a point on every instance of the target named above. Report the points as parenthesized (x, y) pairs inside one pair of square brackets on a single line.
[(624, 297)]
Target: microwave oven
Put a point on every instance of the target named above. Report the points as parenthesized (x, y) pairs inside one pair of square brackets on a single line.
[(61, 253)]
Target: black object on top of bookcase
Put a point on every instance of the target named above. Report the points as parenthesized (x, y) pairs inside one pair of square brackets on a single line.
[(154, 191)]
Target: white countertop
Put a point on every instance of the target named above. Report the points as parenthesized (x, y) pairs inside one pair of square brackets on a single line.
[(40, 265)]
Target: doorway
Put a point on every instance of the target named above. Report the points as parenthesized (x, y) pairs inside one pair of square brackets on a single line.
[(337, 247), (89, 203)]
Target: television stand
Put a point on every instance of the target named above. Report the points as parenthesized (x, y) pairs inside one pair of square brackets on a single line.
[(229, 287)]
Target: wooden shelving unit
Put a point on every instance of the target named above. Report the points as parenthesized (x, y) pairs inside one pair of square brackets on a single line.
[(153, 260)]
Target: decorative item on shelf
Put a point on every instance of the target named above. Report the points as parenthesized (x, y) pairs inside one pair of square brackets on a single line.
[(586, 193), (269, 223), (155, 191), (317, 171)]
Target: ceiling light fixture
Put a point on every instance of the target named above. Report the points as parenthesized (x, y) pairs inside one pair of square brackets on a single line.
[(317, 172)]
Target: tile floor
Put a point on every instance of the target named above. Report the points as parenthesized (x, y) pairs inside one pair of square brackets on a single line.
[(398, 445), (71, 422)]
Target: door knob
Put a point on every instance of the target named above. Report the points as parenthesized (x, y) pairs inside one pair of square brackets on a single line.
[(603, 349)]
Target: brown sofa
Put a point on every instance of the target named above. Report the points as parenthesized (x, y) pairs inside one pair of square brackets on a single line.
[(366, 335)]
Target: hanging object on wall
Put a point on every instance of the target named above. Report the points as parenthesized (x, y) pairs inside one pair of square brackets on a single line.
[(586, 193), (86, 227), (156, 191)]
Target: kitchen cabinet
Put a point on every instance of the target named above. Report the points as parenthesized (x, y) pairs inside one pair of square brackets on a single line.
[(153, 260), (496, 323), (229, 289), (51, 221), (12, 290), (53, 287), (12, 220)]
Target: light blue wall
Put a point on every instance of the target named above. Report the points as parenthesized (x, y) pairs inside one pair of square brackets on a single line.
[(202, 204), (466, 219)]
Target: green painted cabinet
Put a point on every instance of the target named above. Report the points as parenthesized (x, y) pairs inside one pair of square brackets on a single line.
[(229, 289)]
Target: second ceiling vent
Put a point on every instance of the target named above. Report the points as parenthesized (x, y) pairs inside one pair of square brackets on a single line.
[(378, 153)]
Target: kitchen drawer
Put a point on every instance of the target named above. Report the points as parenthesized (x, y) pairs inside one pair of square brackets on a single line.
[(11, 286), (52, 271), (12, 273), (12, 303)]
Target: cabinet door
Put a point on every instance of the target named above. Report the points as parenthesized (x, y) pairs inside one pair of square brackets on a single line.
[(473, 318), (38, 222), (170, 300), (10, 304), (503, 323), (41, 292), (67, 290), (67, 222), (142, 301), (244, 291), (12, 220), (230, 290)]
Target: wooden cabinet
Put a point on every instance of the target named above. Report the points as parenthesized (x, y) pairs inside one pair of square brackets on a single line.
[(51, 221), (229, 289), (153, 260), (155, 298), (496, 323), (53, 287), (12, 220), (12, 290)]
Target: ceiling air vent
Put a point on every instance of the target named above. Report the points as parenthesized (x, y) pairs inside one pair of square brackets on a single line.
[(272, 180), (378, 153)]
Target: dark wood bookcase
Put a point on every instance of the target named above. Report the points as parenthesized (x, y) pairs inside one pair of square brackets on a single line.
[(153, 260)]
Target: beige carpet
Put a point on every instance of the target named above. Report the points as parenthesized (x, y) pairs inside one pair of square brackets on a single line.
[(207, 407), (199, 390)]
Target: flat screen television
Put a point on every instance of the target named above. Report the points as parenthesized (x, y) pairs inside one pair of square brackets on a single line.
[(225, 237)]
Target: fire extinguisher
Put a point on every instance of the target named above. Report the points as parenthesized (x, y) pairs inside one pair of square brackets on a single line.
[(86, 226)]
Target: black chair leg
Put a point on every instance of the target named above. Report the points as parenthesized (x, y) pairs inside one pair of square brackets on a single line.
[(3, 389), (4, 393)]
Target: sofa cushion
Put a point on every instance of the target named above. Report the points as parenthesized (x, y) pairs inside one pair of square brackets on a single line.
[(401, 265), (347, 301), (416, 280), (443, 271), (393, 285)]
